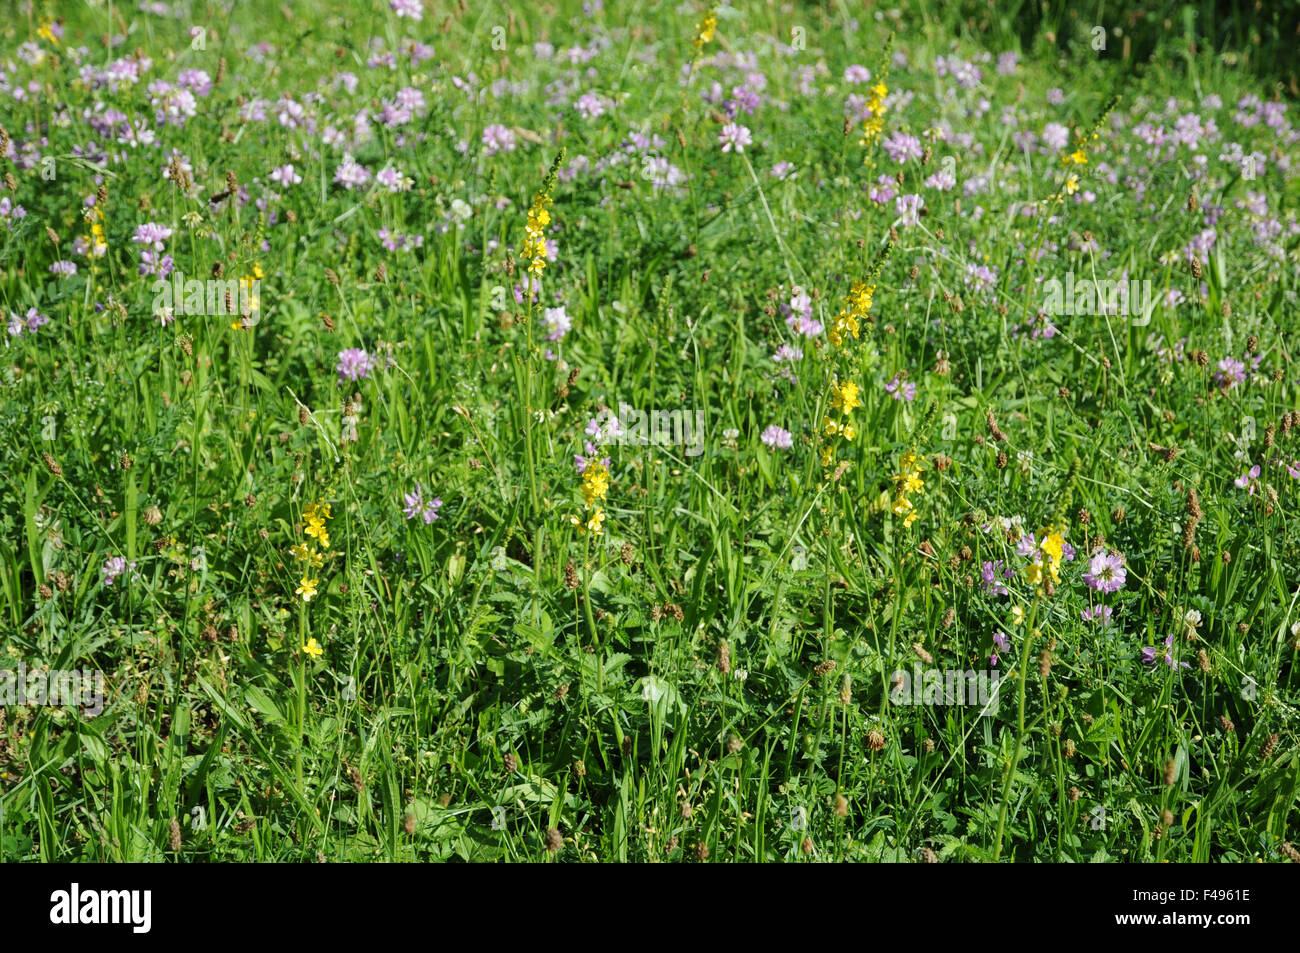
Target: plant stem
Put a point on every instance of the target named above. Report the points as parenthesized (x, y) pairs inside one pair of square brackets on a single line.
[(1020, 732), (302, 692)]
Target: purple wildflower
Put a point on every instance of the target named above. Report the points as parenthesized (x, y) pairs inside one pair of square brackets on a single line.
[(557, 323), (497, 138), (416, 505), (113, 567), (991, 578), (901, 389), (1248, 480), (284, 175), (735, 136), (1097, 613), (900, 146), (29, 322), (1231, 372), (777, 438), (1106, 572), (1149, 653), (350, 174), (153, 234), (909, 208), (354, 364)]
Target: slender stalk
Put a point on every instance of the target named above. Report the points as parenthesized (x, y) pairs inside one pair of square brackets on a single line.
[(302, 691), (1020, 731), (528, 404)]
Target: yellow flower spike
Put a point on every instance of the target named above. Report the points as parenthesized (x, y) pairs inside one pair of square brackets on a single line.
[(1054, 546), (845, 323), (844, 397), (313, 648), (306, 588), (705, 30), (595, 483), (859, 297), (534, 246)]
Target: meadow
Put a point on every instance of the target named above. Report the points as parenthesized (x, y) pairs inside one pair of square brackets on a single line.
[(579, 432)]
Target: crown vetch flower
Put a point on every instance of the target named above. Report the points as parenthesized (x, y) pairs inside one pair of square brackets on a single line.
[(1106, 572), (354, 364)]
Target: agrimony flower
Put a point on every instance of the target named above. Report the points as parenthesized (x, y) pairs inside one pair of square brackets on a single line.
[(306, 589)]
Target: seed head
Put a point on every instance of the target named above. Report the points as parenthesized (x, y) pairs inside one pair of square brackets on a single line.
[(1266, 750)]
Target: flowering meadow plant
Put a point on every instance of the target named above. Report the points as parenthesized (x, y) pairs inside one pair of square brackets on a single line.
[(484, 434)]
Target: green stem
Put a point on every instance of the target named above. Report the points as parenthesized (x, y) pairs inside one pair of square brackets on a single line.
[(528, 405), (1020, 733), (302, 691)]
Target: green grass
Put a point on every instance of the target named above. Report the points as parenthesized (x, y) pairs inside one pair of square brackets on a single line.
[(709, 677)]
